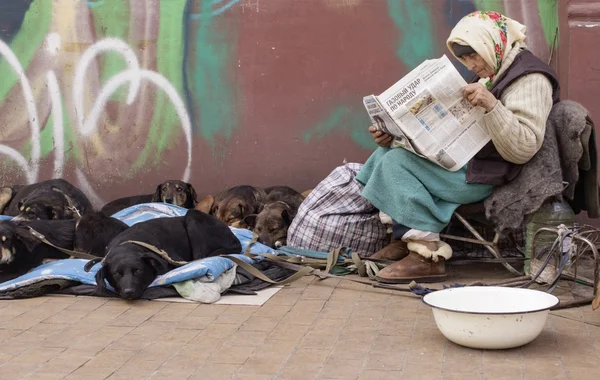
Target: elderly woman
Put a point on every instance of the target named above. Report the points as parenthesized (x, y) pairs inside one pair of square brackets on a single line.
[(517, 91)]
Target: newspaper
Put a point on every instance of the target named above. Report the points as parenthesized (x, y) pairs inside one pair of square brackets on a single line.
[(426, 114)]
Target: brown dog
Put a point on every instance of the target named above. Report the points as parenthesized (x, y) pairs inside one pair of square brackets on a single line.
[(177, 193), (233, 205), (272, 222)]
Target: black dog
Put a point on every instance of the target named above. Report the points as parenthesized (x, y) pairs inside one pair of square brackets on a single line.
[(178, 193), (130, 268), (48, 200), (117, 205), (21, 251), (93, 233)]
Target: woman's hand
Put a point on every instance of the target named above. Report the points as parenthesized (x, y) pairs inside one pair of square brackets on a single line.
[(478, 95), (381, 138)]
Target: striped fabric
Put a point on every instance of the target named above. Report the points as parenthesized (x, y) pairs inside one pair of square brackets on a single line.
[(335, 215)]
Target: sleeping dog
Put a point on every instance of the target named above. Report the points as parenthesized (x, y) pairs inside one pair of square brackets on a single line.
[(130, 268), (48, 200), (272, 222), (178, 193), (7, 194), (22, 251), (93, 233), (233, 205)]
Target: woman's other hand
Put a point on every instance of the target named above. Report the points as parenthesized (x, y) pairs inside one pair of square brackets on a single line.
[(381, 138), (478, 95)]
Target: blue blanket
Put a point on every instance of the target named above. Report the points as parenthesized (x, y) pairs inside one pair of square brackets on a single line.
[(211, 267)]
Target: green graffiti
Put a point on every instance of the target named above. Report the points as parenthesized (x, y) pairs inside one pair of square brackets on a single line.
[(346, 120), (549, 18), (111, 19), (489, 5), (165, 122), (71, 148), (413, 19), (26, 43), (210, 85)]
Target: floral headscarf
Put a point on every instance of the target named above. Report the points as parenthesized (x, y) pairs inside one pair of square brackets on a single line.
[(491, 34)]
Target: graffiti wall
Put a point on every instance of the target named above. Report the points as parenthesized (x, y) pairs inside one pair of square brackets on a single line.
[(119, 95)]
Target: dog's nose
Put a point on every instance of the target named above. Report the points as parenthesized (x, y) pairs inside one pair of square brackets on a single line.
[(128, 293), (168, 200)]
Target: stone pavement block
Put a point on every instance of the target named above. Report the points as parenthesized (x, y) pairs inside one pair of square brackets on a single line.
[(283, 298), (209, 310), (193, 323), (380, 375), (133, 342), (247, 338), (289, 332), (272, 311), (61, 365), (298, 373), (390, 361), (236, 314), (258, 323), (174, 312), (317, 291), (90, 373), (214, 371), (319, 339), (341, 368), (218, 331), (337, 310), (232, 354), (307, 357), (99, 341)]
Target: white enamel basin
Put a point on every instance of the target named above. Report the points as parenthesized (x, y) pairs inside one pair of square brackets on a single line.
[(490, 317)]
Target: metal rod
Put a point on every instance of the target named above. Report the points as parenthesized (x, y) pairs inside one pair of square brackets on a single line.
[(493, 250)]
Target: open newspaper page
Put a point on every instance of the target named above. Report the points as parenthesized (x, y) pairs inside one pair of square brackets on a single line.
[(427, 115)]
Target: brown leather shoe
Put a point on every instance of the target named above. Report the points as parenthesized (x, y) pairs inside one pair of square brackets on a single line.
[(413, 267), (395, 251)]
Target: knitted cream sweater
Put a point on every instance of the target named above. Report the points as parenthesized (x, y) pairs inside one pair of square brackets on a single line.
[(518, 121)]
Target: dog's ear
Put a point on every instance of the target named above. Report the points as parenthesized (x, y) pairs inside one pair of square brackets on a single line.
[(250, 220), (160, 266), (244, 208), (206, 205), (100, 277), (287, 218), (25, 236), (192, 192), (88, 266), (157, 197)]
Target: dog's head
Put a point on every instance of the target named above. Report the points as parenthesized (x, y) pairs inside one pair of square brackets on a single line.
[(14, 240), (46, 204), (271, 224), (178, 193), (233, 211), (130, 269)]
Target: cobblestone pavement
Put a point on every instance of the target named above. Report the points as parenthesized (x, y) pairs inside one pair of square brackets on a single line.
[(311, 329)]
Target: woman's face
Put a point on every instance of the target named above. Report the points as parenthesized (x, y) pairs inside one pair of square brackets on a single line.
[(476, 64)]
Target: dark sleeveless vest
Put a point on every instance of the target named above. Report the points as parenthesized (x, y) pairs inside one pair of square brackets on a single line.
[(487, 166)]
